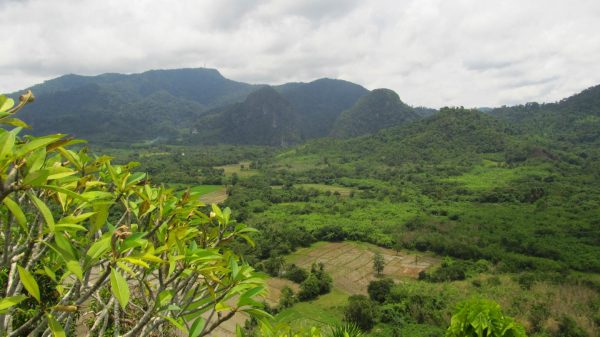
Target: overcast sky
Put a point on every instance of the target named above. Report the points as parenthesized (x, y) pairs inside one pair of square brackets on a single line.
[(431, 52)]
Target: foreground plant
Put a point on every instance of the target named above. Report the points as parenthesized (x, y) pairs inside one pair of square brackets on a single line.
[(86, 242), (483, 318)]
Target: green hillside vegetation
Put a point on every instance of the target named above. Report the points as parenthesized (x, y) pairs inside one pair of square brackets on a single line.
[(379, 109), (264, 118), (507, 201), (319, 103), (187, 106)]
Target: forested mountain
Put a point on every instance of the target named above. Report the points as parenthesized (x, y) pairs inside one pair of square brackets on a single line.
[(264, 118), (379, 109), (159, 103), (167, 104), (319, 103)]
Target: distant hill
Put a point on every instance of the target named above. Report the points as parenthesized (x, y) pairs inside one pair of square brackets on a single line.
[(171, 105), (452, 134), (319, 103), (264, 118), (115, 107), (575, 119), (379, 109)]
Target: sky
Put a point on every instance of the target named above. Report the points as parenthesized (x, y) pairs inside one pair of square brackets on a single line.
[(472, 53)]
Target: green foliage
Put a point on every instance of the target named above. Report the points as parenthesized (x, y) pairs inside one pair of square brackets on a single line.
[(482, 318), (346, 330), (361, 311), (567, 327), (378, 263), (379, 289), (317, 283), (295, 273), (74, 226), (379, 109), (287, 298)]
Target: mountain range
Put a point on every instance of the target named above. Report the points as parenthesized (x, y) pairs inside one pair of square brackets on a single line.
[(200, 106)]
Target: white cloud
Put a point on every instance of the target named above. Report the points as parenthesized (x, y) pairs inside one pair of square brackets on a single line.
[(432, 52)]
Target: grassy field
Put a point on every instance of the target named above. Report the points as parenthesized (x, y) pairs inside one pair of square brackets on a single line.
[(242, 169), (209, 194), (491, 174)]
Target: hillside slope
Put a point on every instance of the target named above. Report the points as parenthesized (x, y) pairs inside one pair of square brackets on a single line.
[(264, 118), (379, 109)]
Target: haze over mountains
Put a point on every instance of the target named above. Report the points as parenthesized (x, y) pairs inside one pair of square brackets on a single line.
[(192, 106)]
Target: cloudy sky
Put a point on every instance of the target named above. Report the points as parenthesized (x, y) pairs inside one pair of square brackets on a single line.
[(432, 52)]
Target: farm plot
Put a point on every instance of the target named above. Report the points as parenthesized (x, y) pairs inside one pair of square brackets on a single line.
[(215, 197), (242, 169), (350, 264)]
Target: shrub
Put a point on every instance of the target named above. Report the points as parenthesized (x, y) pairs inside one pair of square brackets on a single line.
[(482, 318), (567, 327), (78, 229), (379, 289), (295, 274), (361, 311)]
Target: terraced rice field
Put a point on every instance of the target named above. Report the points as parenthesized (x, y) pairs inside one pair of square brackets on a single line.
[(350, 264)]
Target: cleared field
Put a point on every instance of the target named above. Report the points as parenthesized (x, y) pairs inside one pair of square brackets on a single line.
[(215, 197), (491, 175), (343, 191), (242, 169), (350, 264), (205, 189)]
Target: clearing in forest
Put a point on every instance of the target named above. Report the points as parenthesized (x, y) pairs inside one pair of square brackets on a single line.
[(350, 264), (215, 197), (242, 169)]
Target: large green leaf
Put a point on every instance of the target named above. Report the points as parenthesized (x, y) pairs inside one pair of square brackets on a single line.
[(197, 327), (55, 327), (8, 302), (29, 283), (17, 212), (15, 122), (41, 206), (7, 143), (99, 247), (75, 268), (37, 143), (119, 287), (36, 178), (6, 103)]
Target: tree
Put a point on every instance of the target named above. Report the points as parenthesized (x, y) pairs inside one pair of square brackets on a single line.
[(287, 298), (361, 311), (310, 288), (378, 263), (77, 230), (379, 289), (482, 318)]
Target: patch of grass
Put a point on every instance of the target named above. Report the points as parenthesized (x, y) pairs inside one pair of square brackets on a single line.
[(492, 174), (242, 169), (327, 310)]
